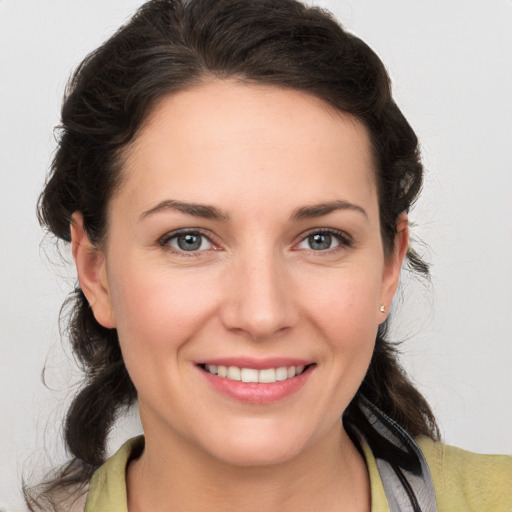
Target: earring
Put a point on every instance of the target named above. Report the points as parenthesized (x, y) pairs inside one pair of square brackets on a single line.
[(383, 308)]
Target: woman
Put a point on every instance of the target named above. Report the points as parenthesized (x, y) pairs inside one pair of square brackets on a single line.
[(234, 179)]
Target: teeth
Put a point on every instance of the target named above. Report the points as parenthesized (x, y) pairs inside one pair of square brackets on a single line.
[(281, 373), (267, 375), (234, 373), (249, 375)]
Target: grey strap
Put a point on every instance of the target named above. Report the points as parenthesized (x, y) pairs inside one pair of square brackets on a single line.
[(408, 484)]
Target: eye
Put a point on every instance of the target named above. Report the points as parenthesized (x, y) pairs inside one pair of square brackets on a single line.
[(324, 240), (189, 241)]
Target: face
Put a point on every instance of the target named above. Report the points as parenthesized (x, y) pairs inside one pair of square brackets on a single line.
[(244, 243)]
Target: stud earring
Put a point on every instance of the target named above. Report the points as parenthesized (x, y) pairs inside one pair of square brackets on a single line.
[(383, 308)]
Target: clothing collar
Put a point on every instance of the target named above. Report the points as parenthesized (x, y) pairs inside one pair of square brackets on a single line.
[(405, 475)]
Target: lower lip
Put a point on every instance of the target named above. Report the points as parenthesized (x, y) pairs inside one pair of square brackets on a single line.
[(256, 393)]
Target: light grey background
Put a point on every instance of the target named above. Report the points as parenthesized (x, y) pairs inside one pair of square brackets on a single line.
[(452, 73)]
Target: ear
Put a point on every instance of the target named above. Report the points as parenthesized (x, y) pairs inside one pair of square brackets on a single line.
[(92, 275), (393, 265)]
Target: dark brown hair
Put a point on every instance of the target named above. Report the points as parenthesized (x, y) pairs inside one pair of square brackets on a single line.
[(170, 45)]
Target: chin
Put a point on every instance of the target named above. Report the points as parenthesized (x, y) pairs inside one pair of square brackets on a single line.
[(257, 445), (252, 455)]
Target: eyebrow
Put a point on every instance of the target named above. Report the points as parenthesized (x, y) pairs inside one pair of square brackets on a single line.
[(318, 210), (211, 212), (197, 210)]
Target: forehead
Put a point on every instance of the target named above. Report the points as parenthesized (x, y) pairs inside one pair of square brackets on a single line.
[(228, 138)]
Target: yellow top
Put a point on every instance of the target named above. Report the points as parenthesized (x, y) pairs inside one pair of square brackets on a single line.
[(463, 481)]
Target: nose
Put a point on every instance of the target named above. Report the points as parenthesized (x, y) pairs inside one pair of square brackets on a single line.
[(259, 300)]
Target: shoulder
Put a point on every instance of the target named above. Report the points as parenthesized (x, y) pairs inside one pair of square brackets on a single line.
[(107, 490), (468, 481)]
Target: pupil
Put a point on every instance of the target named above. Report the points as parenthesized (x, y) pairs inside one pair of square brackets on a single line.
[(189, 242), (320, 241)]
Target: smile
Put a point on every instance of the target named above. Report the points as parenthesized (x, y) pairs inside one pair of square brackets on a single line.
[(256, 381), (264, 376)]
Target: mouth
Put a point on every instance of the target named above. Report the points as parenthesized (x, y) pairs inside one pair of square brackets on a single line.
[(257, 383), (254, 375)]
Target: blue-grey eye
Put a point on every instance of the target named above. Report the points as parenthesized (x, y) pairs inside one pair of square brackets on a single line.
[(190, 242), (320, 241)]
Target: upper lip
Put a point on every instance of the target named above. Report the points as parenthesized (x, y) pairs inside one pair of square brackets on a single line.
[(257, 364)]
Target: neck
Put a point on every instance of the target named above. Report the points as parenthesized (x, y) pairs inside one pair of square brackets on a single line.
[(329, 476)]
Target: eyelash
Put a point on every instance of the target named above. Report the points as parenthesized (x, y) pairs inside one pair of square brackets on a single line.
[(166, 239), (344, 240)]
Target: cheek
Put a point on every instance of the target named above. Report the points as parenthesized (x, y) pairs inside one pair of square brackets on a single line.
[(159, 310), (345, 311), (346, 301), (157, 314)]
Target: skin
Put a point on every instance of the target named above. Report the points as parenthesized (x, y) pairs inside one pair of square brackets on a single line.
[(256, 288)]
